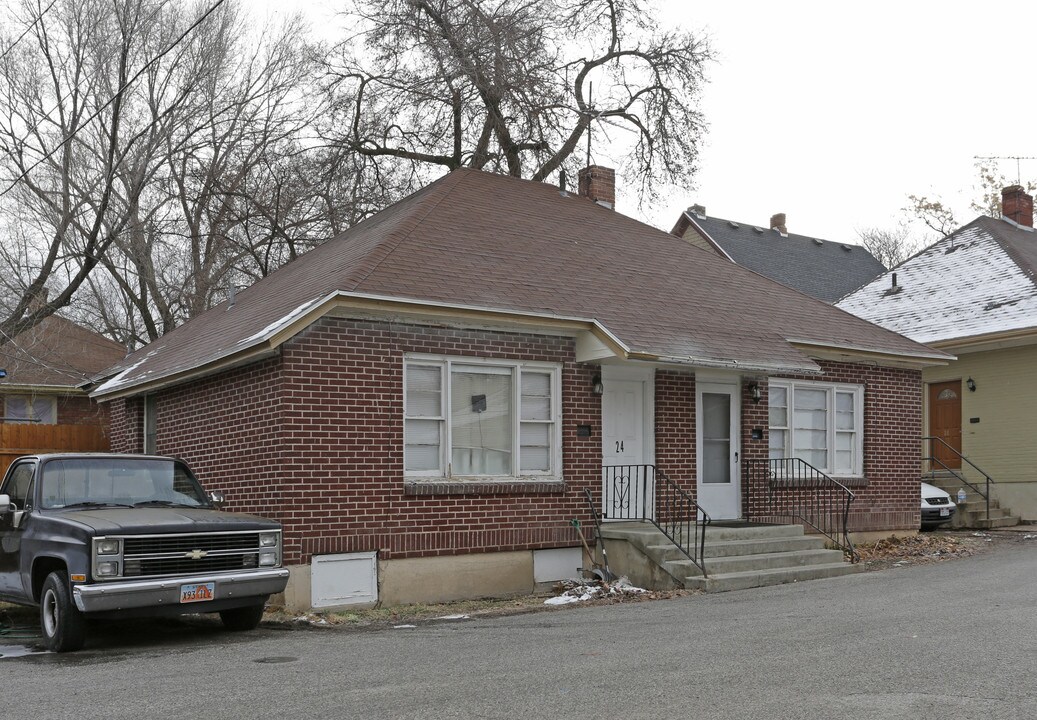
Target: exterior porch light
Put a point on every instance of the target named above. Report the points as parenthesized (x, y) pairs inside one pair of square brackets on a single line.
[(971, 385), (754, 391), (597, 387)]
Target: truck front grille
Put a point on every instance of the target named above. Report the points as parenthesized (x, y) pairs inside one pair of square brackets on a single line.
[(163, 555), (155, 544)]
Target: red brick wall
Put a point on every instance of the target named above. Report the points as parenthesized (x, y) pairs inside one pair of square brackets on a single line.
[(892, 428), (227, 427), (81, 410), (126, 429), (675, 427), (314, 438), (343, 454)]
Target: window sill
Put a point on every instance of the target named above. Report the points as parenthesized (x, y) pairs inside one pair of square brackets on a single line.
[(482, 486)]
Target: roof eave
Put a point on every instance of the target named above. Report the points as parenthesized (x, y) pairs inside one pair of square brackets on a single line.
[(266, 345), (807, 368), (988, 341), (879, 356), (41, 389)]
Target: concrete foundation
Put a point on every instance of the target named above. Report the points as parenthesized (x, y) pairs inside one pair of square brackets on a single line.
[(442, 579)]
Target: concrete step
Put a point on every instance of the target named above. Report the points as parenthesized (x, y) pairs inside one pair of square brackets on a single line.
[(980, 513), (762, 578), (999, 522), (756, 563), (728, 548)]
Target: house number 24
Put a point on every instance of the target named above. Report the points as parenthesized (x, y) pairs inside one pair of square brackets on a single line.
[(619, 446)]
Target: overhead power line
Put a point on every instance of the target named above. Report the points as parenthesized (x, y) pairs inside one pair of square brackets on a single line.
[(118, 94)]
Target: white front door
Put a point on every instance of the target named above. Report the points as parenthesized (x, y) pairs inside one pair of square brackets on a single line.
[(719, 484), (625, 481)]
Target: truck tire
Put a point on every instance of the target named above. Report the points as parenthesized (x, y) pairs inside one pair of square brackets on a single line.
[(243, 618), (64, 628)]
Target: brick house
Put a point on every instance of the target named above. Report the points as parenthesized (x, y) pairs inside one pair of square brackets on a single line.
[(424, 400), (45, 406)]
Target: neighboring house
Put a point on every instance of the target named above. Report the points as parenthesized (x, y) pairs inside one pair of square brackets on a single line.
[(820, 268), (44, 405), (974, 294), (425, 398)]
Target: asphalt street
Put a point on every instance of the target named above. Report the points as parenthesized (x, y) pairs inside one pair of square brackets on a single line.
[(949, 640)]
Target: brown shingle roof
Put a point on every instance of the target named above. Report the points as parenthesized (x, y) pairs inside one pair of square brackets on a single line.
[(57, 352), (484, 240)]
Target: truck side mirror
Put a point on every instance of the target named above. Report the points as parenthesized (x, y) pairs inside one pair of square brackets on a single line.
[(5, 505), (217, 499)]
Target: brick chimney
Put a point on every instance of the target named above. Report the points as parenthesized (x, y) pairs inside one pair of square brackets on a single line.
[(599, 184), (778, 223), (1017, 205)]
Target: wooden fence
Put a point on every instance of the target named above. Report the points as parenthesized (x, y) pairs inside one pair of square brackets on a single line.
[(24, 439)]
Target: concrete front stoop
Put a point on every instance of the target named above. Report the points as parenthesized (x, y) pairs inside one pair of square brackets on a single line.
[(973, 513), (735, 557)]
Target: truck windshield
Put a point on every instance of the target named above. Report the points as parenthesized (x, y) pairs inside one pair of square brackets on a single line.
[(108, 481)]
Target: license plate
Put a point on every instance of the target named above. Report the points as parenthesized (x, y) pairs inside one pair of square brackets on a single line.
[(944, 512), (197, 592)]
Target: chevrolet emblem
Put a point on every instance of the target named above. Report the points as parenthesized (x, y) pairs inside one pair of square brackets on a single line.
[(196, 554)]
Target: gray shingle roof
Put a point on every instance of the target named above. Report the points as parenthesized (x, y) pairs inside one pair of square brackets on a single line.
[(480, 240), (820, 268)]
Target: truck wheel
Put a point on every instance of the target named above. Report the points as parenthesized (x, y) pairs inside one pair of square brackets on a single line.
[(64, 629), (243, 618)]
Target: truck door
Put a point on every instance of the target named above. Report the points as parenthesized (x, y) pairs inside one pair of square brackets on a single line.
[(19, 486)]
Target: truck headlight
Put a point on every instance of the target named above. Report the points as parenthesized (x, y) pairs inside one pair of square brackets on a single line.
[(267, 559), (107, 569), (268, 540), (108, 547)]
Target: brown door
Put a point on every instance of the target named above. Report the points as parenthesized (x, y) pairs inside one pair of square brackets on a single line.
[(945, 422)]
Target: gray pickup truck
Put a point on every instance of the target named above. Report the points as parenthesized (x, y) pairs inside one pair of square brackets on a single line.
[(113, 536)]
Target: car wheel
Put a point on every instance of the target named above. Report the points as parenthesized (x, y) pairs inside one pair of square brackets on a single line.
[(64, 628), (243, 618)]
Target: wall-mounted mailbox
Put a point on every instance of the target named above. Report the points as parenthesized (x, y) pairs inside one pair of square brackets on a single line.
[(583, 431), (757, 434)]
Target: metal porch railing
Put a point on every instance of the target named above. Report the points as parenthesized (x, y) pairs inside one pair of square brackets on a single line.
[(646, 494), (791, 489), (934, 461)]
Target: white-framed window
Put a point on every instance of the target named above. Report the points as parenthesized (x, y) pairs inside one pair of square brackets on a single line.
[(819, 423), (468, 417), (39, 409)]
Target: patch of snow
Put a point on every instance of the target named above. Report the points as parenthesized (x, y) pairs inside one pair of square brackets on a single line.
[(280, 322), (561, 600), (579, 591), (404, 627), (453, 617), (118, 379)]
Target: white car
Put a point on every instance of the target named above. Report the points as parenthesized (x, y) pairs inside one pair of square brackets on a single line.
[(937, 506)]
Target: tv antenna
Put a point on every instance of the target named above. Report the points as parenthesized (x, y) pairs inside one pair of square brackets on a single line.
[(1017, 158)]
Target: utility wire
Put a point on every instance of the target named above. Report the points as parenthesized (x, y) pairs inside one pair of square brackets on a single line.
[(115, 97), (29, 27)]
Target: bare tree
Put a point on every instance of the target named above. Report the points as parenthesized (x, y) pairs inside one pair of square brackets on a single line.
[(72, 147), (939, 217), (506, 85), (890, 246)]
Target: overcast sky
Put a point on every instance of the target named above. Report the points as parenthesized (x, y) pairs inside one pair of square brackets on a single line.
[(834, 112)]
